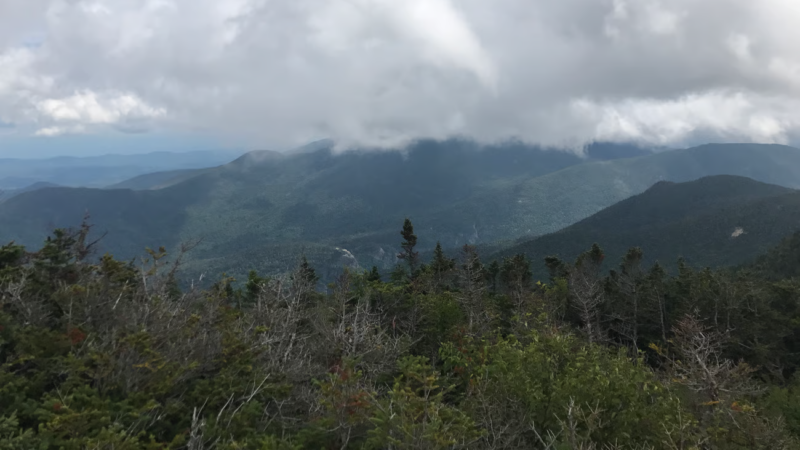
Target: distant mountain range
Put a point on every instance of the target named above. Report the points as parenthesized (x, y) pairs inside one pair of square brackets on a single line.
[(715, 221), (8, 193), (264, 209), (101, 171), (159, 180), (601, 151)]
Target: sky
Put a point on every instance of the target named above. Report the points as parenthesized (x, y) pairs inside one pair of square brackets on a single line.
[(95, 76)]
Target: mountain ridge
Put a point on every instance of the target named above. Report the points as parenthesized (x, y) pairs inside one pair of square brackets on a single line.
[(274, 207), (715, 221), (104, 170)]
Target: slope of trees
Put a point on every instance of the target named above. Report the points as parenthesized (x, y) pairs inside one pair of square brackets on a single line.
[(262, 210), (97, 353), (715, 221)]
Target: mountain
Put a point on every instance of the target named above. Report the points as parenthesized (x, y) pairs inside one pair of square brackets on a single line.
[(711, 222), (264, 209), (158, 180), (546, 204), (605, 151), (100, 171), (781, 261), (8, 193), (596, 151), (270, 207)]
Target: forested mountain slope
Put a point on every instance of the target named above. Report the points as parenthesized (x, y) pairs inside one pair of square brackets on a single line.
[(268, 207), (714, 221), (781, 261), (264, 209), (158, 180), (549, 203), (8, 193)]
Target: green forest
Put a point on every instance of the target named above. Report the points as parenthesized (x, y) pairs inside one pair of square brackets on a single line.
[(262, 210), (450, 352)]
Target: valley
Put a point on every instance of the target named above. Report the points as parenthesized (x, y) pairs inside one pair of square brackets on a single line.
[(265, 209)]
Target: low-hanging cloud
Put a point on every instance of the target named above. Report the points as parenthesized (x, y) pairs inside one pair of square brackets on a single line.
[(381, 72)]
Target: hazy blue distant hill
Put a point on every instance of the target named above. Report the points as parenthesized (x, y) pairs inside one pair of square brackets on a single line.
[(101, 171), (158, 180), (8, 193), (134, 219), (604, 151), (275, 206), (263, 209), (593, 152), (714, 221)]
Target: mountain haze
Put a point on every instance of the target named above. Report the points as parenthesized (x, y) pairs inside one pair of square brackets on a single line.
[(158, 180), (264, 209), (8, 193), (101, 171)]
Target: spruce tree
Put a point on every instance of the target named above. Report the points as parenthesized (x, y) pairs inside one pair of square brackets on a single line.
[(408, 254), (253, 286), (515, 273), (441, 263), (374, 275), (556, 267), (441, 269), (517, 278), (492, 272), (305, 273), (624, 287)]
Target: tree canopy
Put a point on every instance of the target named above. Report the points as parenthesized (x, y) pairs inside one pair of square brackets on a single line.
[(97, 353)]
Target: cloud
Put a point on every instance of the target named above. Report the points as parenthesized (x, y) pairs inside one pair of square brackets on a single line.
[(59, 130), (87, 108), (379, 72), (731, 115)]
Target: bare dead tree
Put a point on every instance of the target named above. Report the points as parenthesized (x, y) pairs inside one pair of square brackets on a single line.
[(472, 287), (352, 327), (626, 308), (700, 366), (587, 293)]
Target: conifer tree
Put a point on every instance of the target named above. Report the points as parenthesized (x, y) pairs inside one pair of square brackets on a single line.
[(305, 273), (408, 254), (625, 306), (441, 267), (556, 268), (373, 274), (655, 301), (440, 262), (517, 278), (253, 286), (492, 272)]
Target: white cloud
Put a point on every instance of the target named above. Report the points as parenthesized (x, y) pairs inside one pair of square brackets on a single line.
[(732, 115), (380, 72), (59, 130), (88, 108)]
